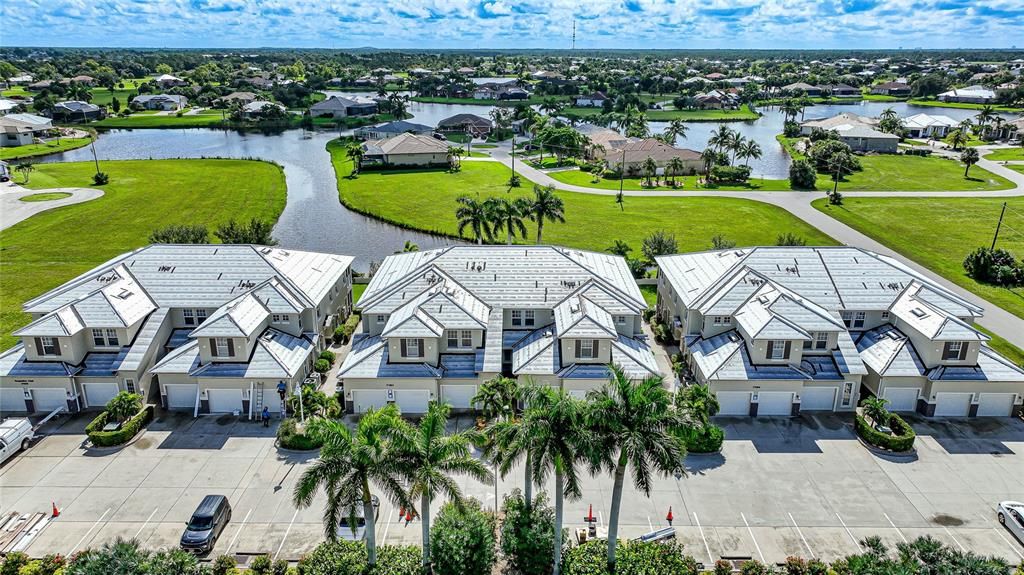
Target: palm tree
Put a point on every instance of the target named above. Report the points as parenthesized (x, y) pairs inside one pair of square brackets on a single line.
[(455, 156), (497, 397), (475, 215), (986, 114), (550, 106), (674, 168), (25, 168), (720, 137), (546, 206), (432, 457), (634, 426), (750, 149), (698, 402), (650, 170), (875, 408), (734, 143), (508, 216), (958, 137), (708, 157), (889, 114), (676, 129), (408, 246), (354, 152), (349, 462), (512, 438), (789, 109), (619, 248), (969, 157)]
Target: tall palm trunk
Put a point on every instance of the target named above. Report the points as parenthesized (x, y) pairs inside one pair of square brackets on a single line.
[(528, 487), (508, 236), (371, 525), (540, 229), (559, 490), (425, 515), (613, 517)]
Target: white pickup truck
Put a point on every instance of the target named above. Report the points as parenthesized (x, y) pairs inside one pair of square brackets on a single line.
[(15, 435)]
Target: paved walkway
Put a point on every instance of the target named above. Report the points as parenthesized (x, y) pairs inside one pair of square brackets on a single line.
[(996, 319), (13, 210)]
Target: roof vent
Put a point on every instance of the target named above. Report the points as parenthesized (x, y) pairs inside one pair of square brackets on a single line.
[(123, 294), (548, 334), (919, 312), (763, 299), (733, 337), (166, 269)]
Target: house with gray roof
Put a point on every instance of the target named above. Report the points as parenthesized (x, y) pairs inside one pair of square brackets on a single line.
[(405, 150), (166, 102), (339, 107), (780, 330), (439, 323), (198, 328), (390, 129), (76, 111), (861, 133)]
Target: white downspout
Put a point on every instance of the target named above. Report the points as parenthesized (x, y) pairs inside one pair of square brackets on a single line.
[(252, 397), (195, 413)]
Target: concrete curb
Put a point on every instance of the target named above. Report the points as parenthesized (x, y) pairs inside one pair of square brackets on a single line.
[(902, 455)]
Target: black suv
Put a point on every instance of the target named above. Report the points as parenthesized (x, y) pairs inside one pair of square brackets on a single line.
[(206, 524)]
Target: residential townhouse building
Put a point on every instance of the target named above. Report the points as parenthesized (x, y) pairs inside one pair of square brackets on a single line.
[(781, 330), (437, 324), (200, 328)]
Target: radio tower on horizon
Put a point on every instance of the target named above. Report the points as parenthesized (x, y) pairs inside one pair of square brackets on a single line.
[(573, 34)]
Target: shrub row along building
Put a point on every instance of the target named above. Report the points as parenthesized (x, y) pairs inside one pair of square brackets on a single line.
[(772, 330)]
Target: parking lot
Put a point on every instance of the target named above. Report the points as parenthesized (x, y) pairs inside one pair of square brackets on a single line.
[(780, 487)]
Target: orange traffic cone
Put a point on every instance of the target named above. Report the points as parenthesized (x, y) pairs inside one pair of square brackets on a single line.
[(56, 512), (590, 514), (669, 517)]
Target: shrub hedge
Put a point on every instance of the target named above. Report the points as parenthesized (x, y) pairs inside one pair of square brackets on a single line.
[(634, 558), (100, 438), (901, 439), (705, 439), (289, 437), (344, 331)]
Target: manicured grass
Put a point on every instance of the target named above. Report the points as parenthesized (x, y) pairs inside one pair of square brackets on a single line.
[(1005, 154), (54, 246), (357, 292), (103, 97), (202, 119), (531, 101), (938, 233), (485, 146), (17, 92), (44, 196), (961, 105), (881, 98), (52, 147), (425, 200), (1016, 167), (1009, 351), (650, 295), (886, 172), (689, 115), (579, 178)]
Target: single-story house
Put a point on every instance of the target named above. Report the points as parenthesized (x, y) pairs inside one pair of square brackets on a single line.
[(802, 87), (592, 100), (87, 80), (169, 81), (928, 126), (405, 150), (970, 95), (338, 107), (840, 90), (602, 138), (20, 79), (37, 123), (169, 102), (391, 129), (40, 85), (73, 110), (255, 109), (14, 134), (466, 123), (896, 89), (858, 132), (635, 152), (241, 98), (717, 100), (500, 91), (7, 106), (838, 120)]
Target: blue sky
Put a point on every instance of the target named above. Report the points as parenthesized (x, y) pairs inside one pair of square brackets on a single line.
[(514, 23)]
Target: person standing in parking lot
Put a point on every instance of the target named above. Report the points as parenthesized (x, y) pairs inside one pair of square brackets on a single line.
[(266, 416)]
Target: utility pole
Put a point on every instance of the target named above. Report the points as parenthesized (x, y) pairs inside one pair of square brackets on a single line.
[(999, 225), (573, 34), (513, 155)]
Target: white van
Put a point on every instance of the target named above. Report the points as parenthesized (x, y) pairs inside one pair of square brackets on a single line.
[(15, 435)]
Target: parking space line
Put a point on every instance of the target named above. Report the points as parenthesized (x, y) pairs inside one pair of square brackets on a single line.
[(848, 532), (1008, 542), (286, 532), (754, 539), (707, 547), (955, 540), (649, 524), (387, 527), (801, 533), (237, 533), (898, 532), (94, 525), (139, 532)]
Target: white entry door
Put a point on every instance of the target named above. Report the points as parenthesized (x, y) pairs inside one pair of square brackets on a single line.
[(818, 398), (995, 404), (46, 399), (734, 402), (952, 404), (225, 400), (99, 394), (458, 396), (364, 399), (12, 400), (181, 395), (411, 401), (901, 398), (775, 403)]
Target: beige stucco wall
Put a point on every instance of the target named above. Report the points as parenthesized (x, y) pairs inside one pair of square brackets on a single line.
[(430, 351), (568, 351), (478, 341)]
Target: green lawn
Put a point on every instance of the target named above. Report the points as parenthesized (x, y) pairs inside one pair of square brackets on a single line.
[(1010, 351), (915, 173), (1016, 167), (938, 233), (1004, 154), (881, 98), (44, 197), (650, 295), (54, 246), (425, 200), (688, 115), (17, 92), (142, 120), (52, 147), (579, 178), (531, 101), (961, 105), (357, 292), (103, 96)]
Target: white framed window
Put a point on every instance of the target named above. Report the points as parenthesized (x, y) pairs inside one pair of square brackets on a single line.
[(821, 340), (722, 320), (279, 318), (412, 348), (587, 349), (48, 345), (517, 318), (776, 349), (885, 316), (112, 338), (453, 338), (466, 339), (382, 319), (97, 337), (189, 316), (620, 320), (221, 346), (954, 350), (529, 317), (847, 398), (129, 385), (200, 316), (858, 319)]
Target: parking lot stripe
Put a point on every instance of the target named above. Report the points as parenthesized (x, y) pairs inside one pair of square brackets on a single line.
[(286, 532), (852, 538), (801, 533), (94, 525), (237, 533), (754, 539), (387, 526), (139, 532), (707, 547), (955, 540), (1008, 542), (898, 532), (649, 524)]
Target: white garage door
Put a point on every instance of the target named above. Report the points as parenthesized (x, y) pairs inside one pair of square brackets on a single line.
[(411, 401), (578, 393), (181, 395), (775, 403), (364, 399), (48, 399), (901, 398), (733, 402), (995, 404), (458, 396), (818, 398), (99, 394), (952, 404), (12, 400), (227, 400)]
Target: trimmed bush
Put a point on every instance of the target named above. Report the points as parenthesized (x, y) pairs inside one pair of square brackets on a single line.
[(634, 558), (328, 355), (462, 540), (224, 565), (128, 430), (996, 266), (705, 439), (322, 365), (344, 332), (901, 439), (343, 557), (802, 175), (289, 437), (527, 536), (723, 174)]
